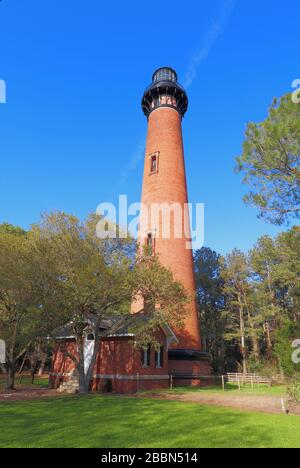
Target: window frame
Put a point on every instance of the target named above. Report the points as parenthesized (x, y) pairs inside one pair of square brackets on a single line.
[(159, 357), (89, 337), (146, 357), (154, 157)]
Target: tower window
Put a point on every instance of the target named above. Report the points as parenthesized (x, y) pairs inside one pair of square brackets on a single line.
[(150, 243), (154, 163), (149, 240)]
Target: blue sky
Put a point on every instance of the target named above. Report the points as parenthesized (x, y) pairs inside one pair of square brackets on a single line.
[(72, 133)]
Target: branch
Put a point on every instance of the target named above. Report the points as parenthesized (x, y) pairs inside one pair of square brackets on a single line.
[(23, 351), (72, 357)]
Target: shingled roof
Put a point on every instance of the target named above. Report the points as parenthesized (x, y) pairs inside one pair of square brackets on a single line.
[(117, 326)]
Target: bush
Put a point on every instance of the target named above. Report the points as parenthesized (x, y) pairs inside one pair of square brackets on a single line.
[(263, 368), (283, 347), (294, 391)]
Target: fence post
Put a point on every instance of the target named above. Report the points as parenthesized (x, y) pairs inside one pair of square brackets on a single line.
[(252, 383), (171, 382), (223, 383), (239, 382)]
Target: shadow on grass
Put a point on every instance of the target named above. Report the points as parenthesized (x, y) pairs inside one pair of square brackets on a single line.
[(262, 390), (110, 422)]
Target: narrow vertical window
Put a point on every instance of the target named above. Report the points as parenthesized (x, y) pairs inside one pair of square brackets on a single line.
[(146, 356), (159, 357), (150, 243), (154, 163)]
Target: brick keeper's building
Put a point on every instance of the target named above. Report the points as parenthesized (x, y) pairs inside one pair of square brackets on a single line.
[(120, 367)]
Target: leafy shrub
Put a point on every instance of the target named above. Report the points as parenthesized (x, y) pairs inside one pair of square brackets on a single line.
[(283, 347), (294, 391)]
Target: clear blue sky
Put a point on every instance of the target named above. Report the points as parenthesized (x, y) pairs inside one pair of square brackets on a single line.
[(72, 131)]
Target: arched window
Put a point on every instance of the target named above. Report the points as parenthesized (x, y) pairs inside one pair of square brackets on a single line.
[(146, 356), (159, 357), (90, 337)]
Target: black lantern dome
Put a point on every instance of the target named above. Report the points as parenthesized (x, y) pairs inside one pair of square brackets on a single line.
[(165, 91)]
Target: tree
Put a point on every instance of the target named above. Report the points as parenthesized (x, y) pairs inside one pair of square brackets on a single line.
[(97, 280), (276, 268), (24, 287), (211, 303), (163, 297), (249, 304), (6, 228), (264, 258), (235, 274), (270, 162), (284, 338), (287, 272)]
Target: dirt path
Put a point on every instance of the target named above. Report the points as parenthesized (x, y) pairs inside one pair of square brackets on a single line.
[(29, 393), (263, 404)]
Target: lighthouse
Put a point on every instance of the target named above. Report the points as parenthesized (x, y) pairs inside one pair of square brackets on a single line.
[(165, 103), (164, 231)]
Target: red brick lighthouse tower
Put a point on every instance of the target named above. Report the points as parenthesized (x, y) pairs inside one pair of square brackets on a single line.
[(165, 103)]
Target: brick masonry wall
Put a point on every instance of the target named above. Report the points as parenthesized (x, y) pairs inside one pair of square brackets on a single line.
[(117, 357), (168, 185)]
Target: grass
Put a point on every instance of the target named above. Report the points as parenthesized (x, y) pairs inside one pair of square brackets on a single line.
[(263, 390), (120, 422)]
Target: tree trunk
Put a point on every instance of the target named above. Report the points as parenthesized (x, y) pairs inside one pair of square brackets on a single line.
[(243, 338), (244, 355), (254, 340), (221, 369), (42, 367), (256, 349), (11, 376), (83, 387), (33, 361), (268, 340), (32, 377), (23, 364), (86, 378)]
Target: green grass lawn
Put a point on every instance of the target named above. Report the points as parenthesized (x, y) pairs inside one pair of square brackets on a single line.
[(110, 422), (262, 390)]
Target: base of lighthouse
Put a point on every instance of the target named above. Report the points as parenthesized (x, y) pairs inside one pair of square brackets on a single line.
[(189, 368)]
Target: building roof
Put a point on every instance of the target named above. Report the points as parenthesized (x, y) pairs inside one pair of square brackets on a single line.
[(117, 326)]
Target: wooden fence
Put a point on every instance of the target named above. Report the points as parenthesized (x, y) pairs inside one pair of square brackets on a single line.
[(246, 379)]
